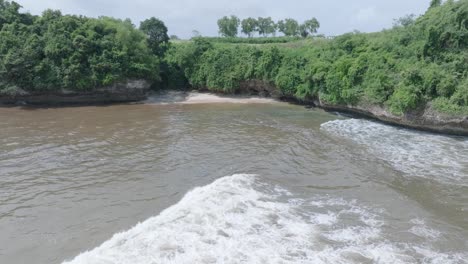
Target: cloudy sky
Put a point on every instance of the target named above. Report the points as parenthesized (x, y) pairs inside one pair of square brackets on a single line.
[(184, 16)]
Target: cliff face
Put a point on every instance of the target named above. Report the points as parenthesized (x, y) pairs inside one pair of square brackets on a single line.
[(425, 118), (260, 88), (127, 91)]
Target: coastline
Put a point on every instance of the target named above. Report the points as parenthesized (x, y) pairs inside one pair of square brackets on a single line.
[(121, 92), (424, 119)]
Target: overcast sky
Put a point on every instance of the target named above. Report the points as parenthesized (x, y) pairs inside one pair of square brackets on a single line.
[(184, 16)]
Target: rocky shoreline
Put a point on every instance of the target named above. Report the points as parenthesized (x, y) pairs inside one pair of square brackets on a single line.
[(426, 118), (126, 91)]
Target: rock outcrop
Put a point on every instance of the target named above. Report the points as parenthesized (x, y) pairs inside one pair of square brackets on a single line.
[(127, 91), (260, 88), (424, 118)]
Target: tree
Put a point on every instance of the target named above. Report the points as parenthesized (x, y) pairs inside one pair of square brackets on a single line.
[(9, 12), (309, 27), (266, 26), (289, 27), (158, 40), (196, 33), (435, 3), (404, 21), (228, 26), (249, 25), (174, 37)]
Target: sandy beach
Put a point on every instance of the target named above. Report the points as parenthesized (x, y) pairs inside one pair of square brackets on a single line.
[(171, 97)]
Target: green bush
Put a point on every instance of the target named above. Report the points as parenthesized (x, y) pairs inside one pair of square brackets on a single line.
[(403, 99), (56, 51), (289, 76), (444, 105)]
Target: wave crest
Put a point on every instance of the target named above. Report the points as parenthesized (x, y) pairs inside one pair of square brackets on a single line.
[(224, 221), (239, 219)]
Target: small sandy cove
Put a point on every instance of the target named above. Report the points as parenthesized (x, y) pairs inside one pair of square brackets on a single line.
[(177, 97), (203, 98)]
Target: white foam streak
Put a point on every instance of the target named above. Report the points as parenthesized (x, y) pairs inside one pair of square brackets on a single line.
[(419, 154), (420, 229)]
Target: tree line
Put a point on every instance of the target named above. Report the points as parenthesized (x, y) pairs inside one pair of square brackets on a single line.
[(265, 26)]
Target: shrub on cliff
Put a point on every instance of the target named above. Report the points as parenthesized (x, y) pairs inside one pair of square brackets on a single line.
[(414, 63)]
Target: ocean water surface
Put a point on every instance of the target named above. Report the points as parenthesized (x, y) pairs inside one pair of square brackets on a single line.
[(257, 182)]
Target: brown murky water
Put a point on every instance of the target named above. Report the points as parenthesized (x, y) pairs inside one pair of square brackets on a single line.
[(327, 189)]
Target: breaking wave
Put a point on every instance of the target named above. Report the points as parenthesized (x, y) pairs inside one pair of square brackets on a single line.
[(240, 219)]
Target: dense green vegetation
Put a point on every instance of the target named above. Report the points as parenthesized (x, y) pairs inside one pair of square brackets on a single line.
[(53, 51), (418, 61)]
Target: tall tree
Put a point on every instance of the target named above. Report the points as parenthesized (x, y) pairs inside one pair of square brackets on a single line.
[(435, 3), (9, 13), (289, 27), (158, 40), (309, 27), (266, 26), (404, 21), (196, 33), (249, 26), (228, 26)]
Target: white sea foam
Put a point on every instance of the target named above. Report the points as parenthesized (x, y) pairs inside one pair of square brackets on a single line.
[(225, 222), (422, 230), (412, 152), (239, 219)]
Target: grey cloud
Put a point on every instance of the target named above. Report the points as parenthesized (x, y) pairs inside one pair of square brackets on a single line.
[(183, 16)]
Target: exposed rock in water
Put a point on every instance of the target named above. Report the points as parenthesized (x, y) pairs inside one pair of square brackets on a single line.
[(128, 91)]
